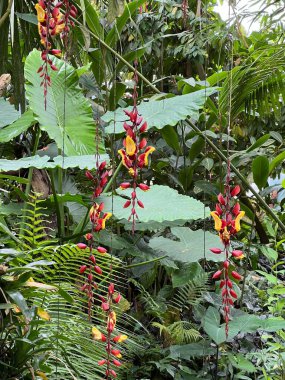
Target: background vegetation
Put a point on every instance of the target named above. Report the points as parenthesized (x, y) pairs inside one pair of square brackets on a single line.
[(189, 68)]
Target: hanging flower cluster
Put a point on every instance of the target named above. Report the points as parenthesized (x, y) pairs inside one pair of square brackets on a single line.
[(135, 154), (113, 353), (227, 217), (98, 219), (51, 22)]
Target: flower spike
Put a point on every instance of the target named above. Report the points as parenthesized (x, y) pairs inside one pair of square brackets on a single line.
[(227, 217)]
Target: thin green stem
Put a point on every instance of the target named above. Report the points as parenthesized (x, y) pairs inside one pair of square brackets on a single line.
[(145, 262)]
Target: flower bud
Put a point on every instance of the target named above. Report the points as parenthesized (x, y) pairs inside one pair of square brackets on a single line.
[(236, 209), (217, 274), (236, 275), (144, 187), (111, 288), (118, 298), (235, 191), (143, 128), (237, 253), (221, 199), (89, 175), (143, 143), (127, 204), (226, 264), (125, 185), (233, 293), (117, 363), (216, 250), (105, 306), (82, 269), (92, 258), (102, 362), (98, 269), (88, 236), (218, 209), (140, 203), (101, 249), (81, 245)]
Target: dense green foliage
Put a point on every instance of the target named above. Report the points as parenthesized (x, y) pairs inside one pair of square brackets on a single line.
[(196, 73)]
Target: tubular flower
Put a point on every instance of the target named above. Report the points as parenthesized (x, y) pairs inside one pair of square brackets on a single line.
[(113, 353), (227, 217), (135, 153), (51, 22)]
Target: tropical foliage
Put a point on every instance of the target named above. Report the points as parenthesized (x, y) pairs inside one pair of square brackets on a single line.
[(124, 126)]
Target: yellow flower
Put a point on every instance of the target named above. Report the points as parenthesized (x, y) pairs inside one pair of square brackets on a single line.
[(218, 222), (40, 13), (96, 334), (237, 220), (43, 314), (123, 155), (130, 146), (106, 217), (122, 338), (148, 151), (131, 172), (42, 375), (59, 28), (112, 318)]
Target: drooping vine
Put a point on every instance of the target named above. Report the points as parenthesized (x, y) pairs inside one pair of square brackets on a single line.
[(135, 153), (227, 217), (51, 23)]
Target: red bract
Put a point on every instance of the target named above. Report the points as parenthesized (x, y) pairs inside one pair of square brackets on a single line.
[(216, 250), (81, 245)]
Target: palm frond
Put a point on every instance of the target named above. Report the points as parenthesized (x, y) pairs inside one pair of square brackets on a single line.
[(256, 86)]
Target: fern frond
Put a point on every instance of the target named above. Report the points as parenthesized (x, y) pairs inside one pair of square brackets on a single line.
[(191, 293)]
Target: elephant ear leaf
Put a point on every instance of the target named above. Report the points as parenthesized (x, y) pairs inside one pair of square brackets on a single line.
[(68, 119)]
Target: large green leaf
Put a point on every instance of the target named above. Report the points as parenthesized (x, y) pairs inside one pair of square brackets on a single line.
[(68, 118), (45, 162), (241, 322), (8, 114), (161, 204), (164, 112), (190, 247), (19, 126), (260, 170)]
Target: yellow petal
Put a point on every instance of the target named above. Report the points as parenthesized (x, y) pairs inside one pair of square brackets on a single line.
[(130, 146), (40, 13), (240, 257), (42, 375), (43, 314), (123, 155), (59, 28), (131, 172), (106, 217), (147, 153), (238, 219), (122, 338), (218, 222), (96, 334)]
